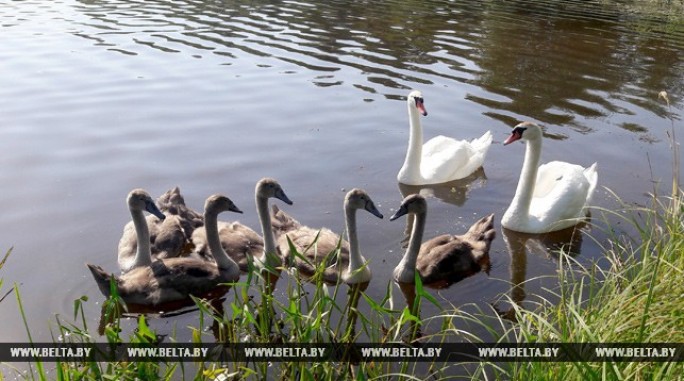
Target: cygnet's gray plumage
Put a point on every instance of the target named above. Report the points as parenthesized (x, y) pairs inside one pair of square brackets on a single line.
[(239, 240), (318, 245), (445, 259), (172, 280), (169, 237)]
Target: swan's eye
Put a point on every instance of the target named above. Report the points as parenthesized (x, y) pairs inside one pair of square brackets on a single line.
[(519, 130)]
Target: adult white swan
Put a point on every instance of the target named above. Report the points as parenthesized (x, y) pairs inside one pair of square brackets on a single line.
[(440, 159), (549, 197), (173, 280)]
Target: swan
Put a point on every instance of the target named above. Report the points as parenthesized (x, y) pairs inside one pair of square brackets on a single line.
[(173, 280), (238, 240), (173, 203), (168, 237), (440, 159), (269, 260), (550, 197), (317, 245), (445, 259)]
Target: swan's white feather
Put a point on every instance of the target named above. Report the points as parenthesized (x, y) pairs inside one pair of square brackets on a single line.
[(563, 193), (446, 159)]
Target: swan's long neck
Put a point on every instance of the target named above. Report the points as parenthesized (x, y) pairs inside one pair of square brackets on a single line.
[(408, 262), (355, 259), (411, 167), (223, 261), (520, 206), (269, 255), (143, 256)]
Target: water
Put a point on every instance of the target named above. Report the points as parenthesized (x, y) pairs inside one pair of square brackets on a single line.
[(98, 98)]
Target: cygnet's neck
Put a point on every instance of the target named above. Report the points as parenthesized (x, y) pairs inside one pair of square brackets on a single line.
[(356, 261), (143, 254), (223, 261), (406, 270), (269, 256)]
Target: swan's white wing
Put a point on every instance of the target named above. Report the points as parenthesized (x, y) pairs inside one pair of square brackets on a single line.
[(592, 177), (560, 195), (548, 177), (479, 147), (442, 156), (437, 145), (445, 159)]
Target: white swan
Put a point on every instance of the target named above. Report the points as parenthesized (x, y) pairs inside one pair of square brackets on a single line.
[(440, 159), (168, 237), (170, 281), (238, 240), (447, 258), (549, 197), (316, 245)]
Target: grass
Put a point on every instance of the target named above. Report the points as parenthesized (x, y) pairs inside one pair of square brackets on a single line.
[(2, 263), (635, 297), (633, 294), (311, 314)]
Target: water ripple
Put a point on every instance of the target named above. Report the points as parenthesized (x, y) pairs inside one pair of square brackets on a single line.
[(402, 44)]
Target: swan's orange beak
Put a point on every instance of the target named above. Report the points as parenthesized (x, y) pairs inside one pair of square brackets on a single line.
[(421, 107), (514, 136)]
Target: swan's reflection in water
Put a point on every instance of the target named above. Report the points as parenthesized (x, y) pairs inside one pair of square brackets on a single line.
[(109, 315), (454, 192), (546, 245)]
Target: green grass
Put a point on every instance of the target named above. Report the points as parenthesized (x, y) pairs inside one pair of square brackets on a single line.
[(633, 294), (635, 298)]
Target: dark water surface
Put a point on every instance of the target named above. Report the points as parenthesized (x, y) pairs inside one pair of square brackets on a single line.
[(100, 97)]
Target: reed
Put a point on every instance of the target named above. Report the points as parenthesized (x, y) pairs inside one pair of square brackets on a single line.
[(313, 312), (633, 294)]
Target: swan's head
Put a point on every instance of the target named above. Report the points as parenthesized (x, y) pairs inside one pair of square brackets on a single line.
[(359, 199), (415, 100), (139, 200), (218, 203), (524, 131), (267, 188), (414, 203)]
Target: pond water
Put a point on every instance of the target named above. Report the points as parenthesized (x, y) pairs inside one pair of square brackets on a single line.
[(100, 97)]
